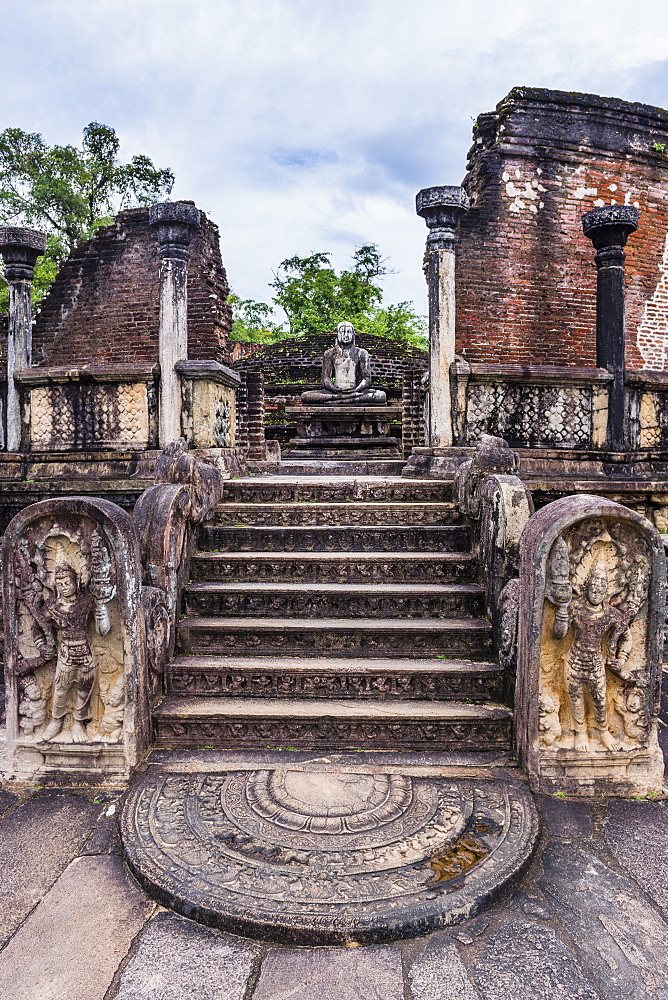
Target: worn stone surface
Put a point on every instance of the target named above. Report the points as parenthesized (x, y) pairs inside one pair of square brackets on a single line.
[(529, 961), (566, 818), (7, 800), (637, 834), (439, 974), (617, 936), (337, 974), (72, 944), (326, 856), (37, 841), (175, 959)]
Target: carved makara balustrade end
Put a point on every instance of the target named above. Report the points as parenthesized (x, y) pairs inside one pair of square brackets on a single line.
[(590, 618), (75, 661)]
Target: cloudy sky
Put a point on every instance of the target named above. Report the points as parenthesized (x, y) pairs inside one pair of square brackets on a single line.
[(304, 125)]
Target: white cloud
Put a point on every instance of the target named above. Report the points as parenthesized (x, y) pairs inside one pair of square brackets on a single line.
[(304, 126)]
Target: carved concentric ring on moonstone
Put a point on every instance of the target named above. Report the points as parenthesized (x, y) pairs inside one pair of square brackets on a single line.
[(328, 803), (317, 857)]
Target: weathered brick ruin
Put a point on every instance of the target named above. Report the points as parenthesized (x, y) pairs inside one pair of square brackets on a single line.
[(526, 284), (104, 305)]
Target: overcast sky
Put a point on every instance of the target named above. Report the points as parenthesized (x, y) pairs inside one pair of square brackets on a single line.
[(309, 125)]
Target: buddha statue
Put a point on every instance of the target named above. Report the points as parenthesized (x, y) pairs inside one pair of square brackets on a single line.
[(346, 375)]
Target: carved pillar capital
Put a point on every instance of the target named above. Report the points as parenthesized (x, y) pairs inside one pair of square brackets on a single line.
[(441, 208), (609, 228), (174, 223), (20, 249)]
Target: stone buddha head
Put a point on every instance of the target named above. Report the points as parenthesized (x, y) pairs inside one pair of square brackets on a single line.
[(345, 334)]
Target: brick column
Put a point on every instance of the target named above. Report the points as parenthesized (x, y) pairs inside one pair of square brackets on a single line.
[(441, 208), (174, 222), (609, 228), (20, 249)]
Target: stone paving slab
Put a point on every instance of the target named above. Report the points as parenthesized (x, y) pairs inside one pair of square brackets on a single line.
[(332, 974), (523, 960), (176, 959), (621, 940), (37, 841), (439, 973), (72, 944), (637, 834)]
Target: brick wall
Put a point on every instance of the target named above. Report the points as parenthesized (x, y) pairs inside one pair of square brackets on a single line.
[(526, 281), (104, 306)]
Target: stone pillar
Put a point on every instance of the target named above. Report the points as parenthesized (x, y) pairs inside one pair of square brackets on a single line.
[(174, 223), (441, 208), (609, 228), (20, 249)]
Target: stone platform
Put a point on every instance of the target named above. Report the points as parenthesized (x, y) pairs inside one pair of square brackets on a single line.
[(344, 432), (306, 856)]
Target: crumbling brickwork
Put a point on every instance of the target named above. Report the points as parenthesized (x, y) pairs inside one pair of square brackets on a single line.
[(526, 281), (104, 304)]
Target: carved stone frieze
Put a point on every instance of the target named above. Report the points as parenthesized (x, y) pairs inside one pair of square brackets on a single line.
[(84, 415), (74, 641), (351, 490), (592, 639), (490, 733), (296, 637), (326, 857), (303, 514), (447, 538), (379, 569), (466, 602), (371, 683)]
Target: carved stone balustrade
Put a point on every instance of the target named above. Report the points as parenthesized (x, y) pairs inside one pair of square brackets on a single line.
[(93, 407), (208, 404)]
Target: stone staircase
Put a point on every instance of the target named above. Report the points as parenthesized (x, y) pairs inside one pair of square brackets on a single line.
[(334, 615)]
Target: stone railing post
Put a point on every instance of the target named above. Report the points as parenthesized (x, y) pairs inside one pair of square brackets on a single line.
[(20, 249), (441, 208), (609, 228), (174, 223)]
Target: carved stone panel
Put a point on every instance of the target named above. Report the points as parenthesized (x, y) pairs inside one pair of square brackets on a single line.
[(75, 663), (590, 626)]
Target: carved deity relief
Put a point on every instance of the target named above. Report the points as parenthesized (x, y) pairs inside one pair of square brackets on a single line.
[(69, 648), (593, 690)]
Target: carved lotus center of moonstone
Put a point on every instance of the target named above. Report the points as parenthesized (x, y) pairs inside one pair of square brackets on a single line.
[(325, 802)]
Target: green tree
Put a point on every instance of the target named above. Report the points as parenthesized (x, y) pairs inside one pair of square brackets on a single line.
[(70, 192), (315, 298)]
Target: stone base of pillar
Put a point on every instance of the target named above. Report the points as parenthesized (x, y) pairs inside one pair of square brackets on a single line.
[(344, 432), (435, 463)]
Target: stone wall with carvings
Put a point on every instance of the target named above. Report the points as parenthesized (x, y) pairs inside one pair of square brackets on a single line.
[(526, 287)]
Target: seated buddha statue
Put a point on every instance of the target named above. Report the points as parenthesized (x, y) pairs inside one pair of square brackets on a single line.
[(346, 375)]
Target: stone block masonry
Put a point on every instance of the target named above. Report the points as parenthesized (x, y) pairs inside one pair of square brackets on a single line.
[(104, 305), (526, 284)]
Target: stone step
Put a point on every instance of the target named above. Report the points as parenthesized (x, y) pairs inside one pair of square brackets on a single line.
[(321, 489), (312, 513), (447, 538), (260, 724), (335, 677), (470, 638), (335, 567), (334, 600)]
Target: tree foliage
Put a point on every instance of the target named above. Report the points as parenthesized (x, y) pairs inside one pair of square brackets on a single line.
[(315, 298), (70, 192)]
